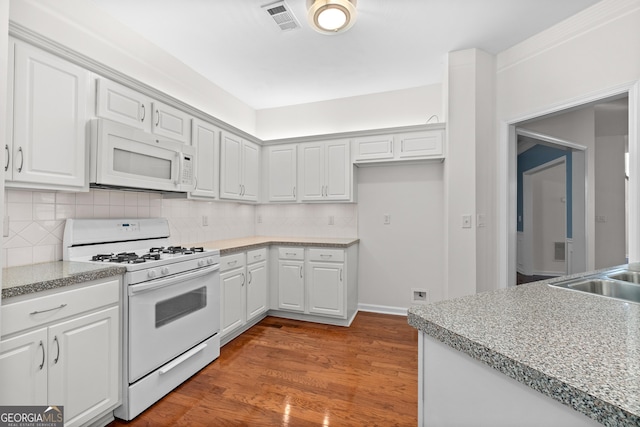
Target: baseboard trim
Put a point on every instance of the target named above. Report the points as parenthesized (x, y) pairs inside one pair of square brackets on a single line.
[(383, 309)]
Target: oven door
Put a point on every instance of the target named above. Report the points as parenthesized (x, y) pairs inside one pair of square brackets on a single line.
[(169, 316)]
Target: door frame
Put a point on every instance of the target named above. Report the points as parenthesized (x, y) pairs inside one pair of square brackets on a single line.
[(507, 175)]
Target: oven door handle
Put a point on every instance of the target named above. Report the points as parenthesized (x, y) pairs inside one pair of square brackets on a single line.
[(169, 281)]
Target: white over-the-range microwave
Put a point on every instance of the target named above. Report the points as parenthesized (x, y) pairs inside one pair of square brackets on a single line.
[(125, 157)]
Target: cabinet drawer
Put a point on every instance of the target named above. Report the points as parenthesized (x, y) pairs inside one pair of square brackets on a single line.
[(256, 255), (39, 311), (229, 262), (318, 254), (291, 253)]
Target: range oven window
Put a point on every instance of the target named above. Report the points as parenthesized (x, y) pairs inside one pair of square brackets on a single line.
[(179, 306)]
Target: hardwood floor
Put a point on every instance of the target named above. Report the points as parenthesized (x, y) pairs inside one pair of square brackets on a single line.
[(288, 373)]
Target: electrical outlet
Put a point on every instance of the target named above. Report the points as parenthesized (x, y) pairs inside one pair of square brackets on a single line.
[(419, 296), (259, 219), (466, 221), (386, 219), (331, 220), (205, 220)]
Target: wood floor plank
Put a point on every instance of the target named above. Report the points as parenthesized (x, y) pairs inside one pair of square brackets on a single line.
[(289, 373)]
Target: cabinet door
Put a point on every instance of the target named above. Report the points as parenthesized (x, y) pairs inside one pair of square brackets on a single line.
[(83, 360), (326, 289), (338, 171), (232, 299), (282, 173), (121, 104), (230, 166), (49, 129), (23, 369), (291, 285), (421, 144), (311, 172), (256, 289), (171, 122), (206, 139), (378, 147), (250, 171)]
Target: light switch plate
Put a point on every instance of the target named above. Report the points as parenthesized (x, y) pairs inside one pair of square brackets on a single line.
[(466, 221)]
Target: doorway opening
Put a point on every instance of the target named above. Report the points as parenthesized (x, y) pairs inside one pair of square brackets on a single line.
[(593, 140)]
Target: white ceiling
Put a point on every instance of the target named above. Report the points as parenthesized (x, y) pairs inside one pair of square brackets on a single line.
[(395, 44)]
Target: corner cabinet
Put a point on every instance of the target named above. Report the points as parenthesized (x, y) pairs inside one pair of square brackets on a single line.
[(50, 96), (64, 349), (324, 171), (239, 168), (317, 284), (206, 140), (282, 170)]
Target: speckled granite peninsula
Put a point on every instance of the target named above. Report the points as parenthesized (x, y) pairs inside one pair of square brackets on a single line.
[(582, 350), (33, 278)]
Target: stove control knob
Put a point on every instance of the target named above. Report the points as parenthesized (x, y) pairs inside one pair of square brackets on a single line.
[(164, 270), (201, 263), (152, 274), (209, 261)]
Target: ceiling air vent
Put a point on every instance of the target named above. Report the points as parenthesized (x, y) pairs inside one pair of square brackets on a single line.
[(282, 15)]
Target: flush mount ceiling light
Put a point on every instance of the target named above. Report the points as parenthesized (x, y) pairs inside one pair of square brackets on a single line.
[(331, 16)]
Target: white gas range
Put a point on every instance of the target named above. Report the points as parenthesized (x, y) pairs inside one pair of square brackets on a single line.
[(171, 302)]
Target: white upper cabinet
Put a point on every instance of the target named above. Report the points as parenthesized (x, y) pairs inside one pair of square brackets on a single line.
[(121, 104), (206, 139), (415, 145), (282, 172), (239, 168), (324, 171), (48, 147)]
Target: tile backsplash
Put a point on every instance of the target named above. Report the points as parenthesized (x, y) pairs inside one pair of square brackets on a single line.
[(36, 219)]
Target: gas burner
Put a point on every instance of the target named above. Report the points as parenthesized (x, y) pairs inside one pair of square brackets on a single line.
[(127, 258), (156, 249), (102, 257), (151, 255)]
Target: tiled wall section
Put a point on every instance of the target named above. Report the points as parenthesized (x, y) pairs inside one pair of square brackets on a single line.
[(36, 219), (307, 220)]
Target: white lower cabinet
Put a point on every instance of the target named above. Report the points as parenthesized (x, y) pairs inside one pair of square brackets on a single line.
[(243, 288), (64, 349), (317, 284)]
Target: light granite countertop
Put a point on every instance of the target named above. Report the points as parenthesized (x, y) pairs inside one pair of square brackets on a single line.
[(580, 349), (33, 278), (248, 243)]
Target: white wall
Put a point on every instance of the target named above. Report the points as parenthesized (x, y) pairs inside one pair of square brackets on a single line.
[(407, 253), (610, 229), (307, 220), (84, 28), (549, 218), (375, 111)]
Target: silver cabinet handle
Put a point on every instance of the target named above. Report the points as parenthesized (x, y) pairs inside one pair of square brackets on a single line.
[(47, 310), (42, 348), (55, 339), (244, 279), (6, 149), (294, 190), (234, 262), (341, 275), (157, 118), (250, 278), (21, 159), (144, 113), (290, 253), (300, 271), (325, 255)]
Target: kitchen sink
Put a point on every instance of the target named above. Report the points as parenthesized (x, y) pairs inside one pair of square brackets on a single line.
[(623, 285)]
